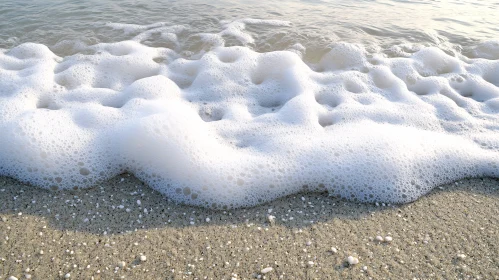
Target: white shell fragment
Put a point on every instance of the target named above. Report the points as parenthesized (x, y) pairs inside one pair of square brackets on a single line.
[(352, 260), (266, 270)]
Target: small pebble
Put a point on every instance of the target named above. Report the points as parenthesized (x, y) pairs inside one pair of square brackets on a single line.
[(143, 258), (12, 278), (266, 270), (271, 219), (310, 264), (121, 264), (67, 276), (388, 239), (461, 256), (379, 238), (334, 250), (352, 260), (27, 276)]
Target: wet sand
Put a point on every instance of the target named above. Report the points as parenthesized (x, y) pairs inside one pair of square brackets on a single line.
[(452, 233)]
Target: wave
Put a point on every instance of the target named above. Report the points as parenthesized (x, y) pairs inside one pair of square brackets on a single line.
[(215, 125)]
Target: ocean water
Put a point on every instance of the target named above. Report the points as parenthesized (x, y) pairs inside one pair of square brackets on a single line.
[(234, 103)]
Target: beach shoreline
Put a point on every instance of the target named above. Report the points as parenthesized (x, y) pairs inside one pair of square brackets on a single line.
[(292, 106), (102, 232)]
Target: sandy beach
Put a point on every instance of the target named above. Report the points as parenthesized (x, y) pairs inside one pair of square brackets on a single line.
[(102, 232)]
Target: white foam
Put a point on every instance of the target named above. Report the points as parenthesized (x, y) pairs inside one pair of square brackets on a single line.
[(234, 127), (487, 50), (237, 28)]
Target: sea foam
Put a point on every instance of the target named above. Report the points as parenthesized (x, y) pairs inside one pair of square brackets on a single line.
[(230, 127)]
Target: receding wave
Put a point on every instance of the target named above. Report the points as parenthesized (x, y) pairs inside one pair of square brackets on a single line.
[(216, 125)]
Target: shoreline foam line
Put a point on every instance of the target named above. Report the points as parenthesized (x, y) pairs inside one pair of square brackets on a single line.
[(233, 127)]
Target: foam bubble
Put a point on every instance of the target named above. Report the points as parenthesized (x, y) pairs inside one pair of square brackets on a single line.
[(229, 127)]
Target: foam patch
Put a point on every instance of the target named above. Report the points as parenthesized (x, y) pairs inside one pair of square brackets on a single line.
[(231, 127)]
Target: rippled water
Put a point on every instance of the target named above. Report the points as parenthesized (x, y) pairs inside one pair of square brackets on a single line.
[(315, 24)]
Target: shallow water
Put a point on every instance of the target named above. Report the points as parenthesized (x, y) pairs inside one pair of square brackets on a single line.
[(233, 104), (314, 23)]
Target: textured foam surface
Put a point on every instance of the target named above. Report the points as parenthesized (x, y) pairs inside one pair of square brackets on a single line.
[(227, 126)]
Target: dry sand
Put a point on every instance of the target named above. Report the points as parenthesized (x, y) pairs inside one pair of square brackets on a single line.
[(452, 233)]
